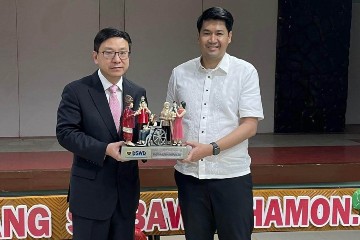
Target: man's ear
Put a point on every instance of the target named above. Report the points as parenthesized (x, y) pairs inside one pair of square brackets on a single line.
[(230, 36), (95, 57)]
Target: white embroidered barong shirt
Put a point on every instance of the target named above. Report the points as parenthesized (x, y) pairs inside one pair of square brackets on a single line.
[(216, 99)]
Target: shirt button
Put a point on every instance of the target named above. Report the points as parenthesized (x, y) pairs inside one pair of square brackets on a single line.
[(208, 76), (202, 131), (202, 160), (207, 90), (204, 103), (203, 117)]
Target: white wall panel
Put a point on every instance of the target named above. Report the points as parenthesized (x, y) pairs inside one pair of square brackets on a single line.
[(164, 35), (353, 102), (55, 46), (54, 39), (9, 105), (254, 40)]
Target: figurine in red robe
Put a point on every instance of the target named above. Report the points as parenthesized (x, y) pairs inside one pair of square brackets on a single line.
[(128, 120)]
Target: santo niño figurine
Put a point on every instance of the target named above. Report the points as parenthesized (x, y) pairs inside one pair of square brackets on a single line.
[(143, 113), (177, 130), (128, 120)]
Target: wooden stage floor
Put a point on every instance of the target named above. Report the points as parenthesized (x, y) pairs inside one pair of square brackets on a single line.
[(40, 164)]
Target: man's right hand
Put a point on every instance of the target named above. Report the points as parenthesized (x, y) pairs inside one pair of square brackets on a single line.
[(113, 150)]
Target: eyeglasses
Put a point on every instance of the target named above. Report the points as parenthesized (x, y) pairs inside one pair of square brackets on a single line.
[(123, 55)]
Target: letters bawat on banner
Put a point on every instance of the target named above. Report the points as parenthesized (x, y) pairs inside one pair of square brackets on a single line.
[(159, 213)]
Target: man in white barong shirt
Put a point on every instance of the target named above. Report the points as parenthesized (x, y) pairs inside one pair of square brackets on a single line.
[(223, 109)]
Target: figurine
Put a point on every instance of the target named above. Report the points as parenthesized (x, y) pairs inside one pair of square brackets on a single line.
[(166, 118), (128, 120), (174, 109), (146, 129), (143, 113), (178, 134)]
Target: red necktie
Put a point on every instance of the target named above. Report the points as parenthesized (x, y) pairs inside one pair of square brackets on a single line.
[(115, 106)]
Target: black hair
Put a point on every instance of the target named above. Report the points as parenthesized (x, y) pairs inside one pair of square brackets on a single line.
[(216, 13), (107, 33), (183, 104)]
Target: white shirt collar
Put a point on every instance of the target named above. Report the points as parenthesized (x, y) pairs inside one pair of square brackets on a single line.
[(222, 66), (106, 84)]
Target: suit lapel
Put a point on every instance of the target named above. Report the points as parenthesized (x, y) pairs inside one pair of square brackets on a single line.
[(99, 98), (127, 89)]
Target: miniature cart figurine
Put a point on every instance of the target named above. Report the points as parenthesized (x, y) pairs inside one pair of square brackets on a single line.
[(156, 136)]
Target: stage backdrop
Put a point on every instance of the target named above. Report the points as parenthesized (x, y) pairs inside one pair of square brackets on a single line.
[(35, 217)]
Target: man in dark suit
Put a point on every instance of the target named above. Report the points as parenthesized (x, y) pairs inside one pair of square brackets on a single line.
[(104, 191)]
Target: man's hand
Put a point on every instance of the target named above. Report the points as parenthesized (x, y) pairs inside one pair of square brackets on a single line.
[(113, 150), (198, 151)]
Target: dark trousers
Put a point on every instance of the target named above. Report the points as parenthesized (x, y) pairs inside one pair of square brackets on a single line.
[(115, 228), (210, 205)]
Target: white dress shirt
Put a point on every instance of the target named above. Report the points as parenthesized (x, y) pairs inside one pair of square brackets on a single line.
[(216, 99)]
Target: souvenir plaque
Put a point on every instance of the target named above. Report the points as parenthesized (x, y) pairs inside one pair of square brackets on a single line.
[(154, 152), (157, 140)]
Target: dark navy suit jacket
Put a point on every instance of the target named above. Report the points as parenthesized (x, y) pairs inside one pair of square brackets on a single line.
[(85, 127)]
